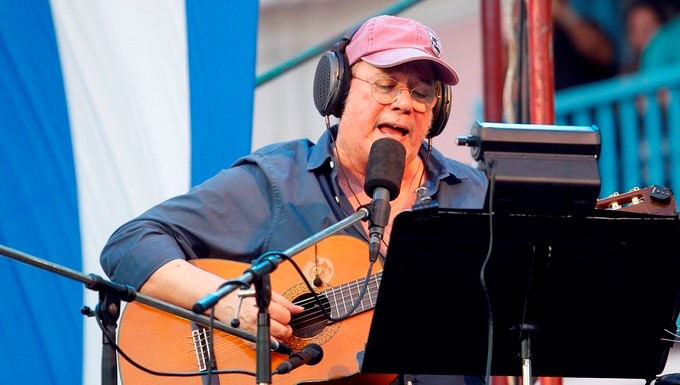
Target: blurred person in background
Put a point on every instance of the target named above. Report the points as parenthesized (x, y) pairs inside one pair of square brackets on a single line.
[(582, 50), (652, 32)]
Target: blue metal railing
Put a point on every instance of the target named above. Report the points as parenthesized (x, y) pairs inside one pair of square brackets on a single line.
[(639, 120)]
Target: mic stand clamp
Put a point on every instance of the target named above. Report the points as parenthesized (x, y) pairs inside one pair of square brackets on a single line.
[(108, 311), (379, 216)]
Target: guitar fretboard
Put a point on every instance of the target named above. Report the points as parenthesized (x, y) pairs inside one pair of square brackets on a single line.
[(343, 297)]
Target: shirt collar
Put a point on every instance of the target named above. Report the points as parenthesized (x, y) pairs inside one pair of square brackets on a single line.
[(321, 152), (438, 167)]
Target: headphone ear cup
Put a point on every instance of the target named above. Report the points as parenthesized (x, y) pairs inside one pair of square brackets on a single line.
[(441, 110), (326, 83), (331, 79), (331, 83)]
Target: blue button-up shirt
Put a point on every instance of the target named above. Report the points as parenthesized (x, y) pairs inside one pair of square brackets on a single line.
[(269, 200)]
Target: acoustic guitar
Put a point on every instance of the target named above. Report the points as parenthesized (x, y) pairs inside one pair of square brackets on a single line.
[(163, 342)]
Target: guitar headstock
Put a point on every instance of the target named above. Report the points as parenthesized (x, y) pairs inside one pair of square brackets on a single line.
[(652, 200)]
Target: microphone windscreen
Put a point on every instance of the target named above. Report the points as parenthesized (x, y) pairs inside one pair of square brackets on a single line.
[(316, 353), (385, 166)]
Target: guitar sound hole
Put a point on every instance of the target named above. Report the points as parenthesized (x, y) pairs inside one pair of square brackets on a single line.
[(312, 320)]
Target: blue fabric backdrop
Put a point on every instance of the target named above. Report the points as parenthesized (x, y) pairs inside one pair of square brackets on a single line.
[(49, 184)]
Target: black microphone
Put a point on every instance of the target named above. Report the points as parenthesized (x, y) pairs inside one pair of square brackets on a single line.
[(384, 172), (309, 355)]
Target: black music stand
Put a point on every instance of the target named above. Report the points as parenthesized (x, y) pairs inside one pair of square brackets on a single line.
[(596, 294)]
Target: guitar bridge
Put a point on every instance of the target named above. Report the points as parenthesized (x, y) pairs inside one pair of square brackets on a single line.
[(201, 340)]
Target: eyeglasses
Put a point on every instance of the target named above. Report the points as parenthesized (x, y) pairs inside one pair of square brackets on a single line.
[(387, 90)]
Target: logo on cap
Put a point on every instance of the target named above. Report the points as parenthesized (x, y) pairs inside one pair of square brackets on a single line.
[(434, 40)]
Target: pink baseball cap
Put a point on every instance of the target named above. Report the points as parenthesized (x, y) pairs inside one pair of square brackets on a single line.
[(387, 41)]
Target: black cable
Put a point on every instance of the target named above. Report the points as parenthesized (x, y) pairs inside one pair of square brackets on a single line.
[(482, 279), (164, 374)]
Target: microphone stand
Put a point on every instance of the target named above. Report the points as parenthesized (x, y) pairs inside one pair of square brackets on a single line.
[(258, 274), (108, 310), (263, 355)]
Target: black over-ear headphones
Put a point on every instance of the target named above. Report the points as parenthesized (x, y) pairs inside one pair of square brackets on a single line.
[(331, 85)]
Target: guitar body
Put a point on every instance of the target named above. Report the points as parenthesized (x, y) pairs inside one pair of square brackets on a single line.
[(164, 342)]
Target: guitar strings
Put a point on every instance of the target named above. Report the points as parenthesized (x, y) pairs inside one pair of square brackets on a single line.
[(339, 299)]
